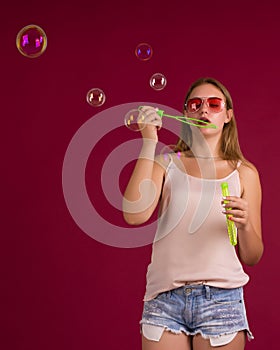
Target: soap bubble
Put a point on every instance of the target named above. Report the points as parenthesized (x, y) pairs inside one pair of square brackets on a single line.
[(96, 97), (31, 41), (133, 119), (158, 81), (169, 149), (143, 51)]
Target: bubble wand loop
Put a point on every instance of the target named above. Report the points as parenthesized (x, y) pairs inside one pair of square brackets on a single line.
[(190, 121), (232, 232)]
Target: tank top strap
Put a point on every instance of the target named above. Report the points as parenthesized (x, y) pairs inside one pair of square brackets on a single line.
[(170, 161)]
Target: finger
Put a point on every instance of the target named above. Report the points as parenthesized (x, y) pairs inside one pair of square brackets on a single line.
[(231, 198), (236, 220), (236, 213), (146, 110), (146, 117), (230, 201), (151, 119), (149, 115), (235, 204)]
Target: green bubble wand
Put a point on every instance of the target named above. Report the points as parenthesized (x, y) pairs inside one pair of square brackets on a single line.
[(187, 120)]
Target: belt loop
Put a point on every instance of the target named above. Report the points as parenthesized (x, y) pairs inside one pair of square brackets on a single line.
[(208, 292)]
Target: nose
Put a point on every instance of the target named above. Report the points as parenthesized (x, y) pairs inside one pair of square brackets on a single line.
[(204, 108)]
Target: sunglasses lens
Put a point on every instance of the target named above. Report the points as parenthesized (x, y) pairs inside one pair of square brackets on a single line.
[(193, 105), (215, 104)]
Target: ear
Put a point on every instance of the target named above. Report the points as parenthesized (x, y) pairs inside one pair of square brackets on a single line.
[(229, 115)]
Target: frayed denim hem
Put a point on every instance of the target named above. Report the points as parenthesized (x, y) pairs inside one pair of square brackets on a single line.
[(155, 332)]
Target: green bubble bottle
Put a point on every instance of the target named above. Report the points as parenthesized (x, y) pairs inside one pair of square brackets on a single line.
[(232, 231)]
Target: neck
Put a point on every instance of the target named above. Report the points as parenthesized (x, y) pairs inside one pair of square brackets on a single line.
[(206, 147), (204, 156)]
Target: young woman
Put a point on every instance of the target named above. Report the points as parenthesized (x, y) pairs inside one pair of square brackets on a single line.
[(194, 292)]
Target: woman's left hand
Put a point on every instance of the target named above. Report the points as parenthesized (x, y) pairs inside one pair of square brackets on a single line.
[(237, 210)]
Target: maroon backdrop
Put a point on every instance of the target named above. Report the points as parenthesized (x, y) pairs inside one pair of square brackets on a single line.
[(60, 288)]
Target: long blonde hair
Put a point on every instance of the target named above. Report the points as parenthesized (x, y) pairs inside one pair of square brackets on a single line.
[(230, 147)]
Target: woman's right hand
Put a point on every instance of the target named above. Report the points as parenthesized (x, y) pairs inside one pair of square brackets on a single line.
[(149, 122)]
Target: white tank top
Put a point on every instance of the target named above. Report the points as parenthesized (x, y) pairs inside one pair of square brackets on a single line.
[(191, 244)]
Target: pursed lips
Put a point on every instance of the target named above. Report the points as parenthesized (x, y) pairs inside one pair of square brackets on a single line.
[(203, 119)]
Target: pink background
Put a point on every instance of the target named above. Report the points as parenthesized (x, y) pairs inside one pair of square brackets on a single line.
[(60, 288)]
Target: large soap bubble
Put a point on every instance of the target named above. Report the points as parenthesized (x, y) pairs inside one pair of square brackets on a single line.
[(31, 41)]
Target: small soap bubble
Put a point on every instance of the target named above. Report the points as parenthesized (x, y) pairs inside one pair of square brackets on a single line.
[(134, 120), (169, 149), (143, 51), (96, 97), (31, 41), (158, 81)]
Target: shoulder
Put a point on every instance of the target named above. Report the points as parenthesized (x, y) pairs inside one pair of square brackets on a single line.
[(248, 170), (163, 161), (249, 177)]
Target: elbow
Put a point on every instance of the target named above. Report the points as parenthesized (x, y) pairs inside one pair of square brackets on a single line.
[(134, 219), (253, 259), (251, 262)]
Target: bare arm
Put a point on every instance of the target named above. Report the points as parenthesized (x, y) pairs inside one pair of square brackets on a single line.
[(144, 187), (247, 216)]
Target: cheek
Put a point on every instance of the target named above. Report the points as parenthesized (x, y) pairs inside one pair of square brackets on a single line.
[(219, 121)]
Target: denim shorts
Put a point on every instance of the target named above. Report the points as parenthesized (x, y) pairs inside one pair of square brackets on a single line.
[(198, 309)]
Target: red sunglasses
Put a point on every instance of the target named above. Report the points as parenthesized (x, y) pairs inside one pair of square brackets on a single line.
[(215, 104)]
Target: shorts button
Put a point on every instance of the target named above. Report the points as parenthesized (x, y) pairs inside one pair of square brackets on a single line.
[(188, 290)]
